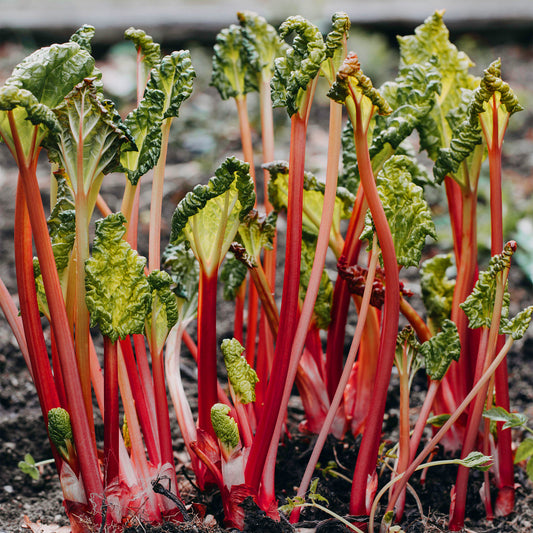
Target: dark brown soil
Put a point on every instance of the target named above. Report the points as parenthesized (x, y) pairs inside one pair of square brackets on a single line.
[(22, 430)]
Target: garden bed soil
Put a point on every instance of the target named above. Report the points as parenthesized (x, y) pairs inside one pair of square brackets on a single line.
[(22, 430)]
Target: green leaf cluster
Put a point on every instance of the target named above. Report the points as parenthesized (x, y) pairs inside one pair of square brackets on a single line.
[(225, 426), (118, 294), (208, 217), (437, 289), (261, 43), (300, 64), (407, 211), (430, 43), (241, 375), (313, 199), (37, 85), (479, 305), (163, 312), (233, 74), (439, 351), (169, 85), (90, 128), (185, 272), (60, 431)]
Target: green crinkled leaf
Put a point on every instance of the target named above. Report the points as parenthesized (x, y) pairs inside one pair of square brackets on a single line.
[(335, 42), (62, 223), (90, 126), (351, 83), (173, 76), (506, 103), (439, 351), (300, 64), (163, 312), (517, 326), (185, 273), (257, 232), (232, 276), (83, 37), (144, 123), (50, 73), (42, 302), (225, 426), (479, 305), (169, 85), (60, 430), (437, 289), (349, 176), (241, 375), (118, 294), (313, 198), (524, 451), (412, 97), (209, 215), (27, 113), (261, 43), (466, 136), (511, 420), (430, 41), (233, 75), (150, 52), (407, 211), (477, 461), (324, 299), (407, 342)]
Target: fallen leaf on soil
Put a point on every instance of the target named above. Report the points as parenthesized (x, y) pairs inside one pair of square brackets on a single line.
[(37, 527)]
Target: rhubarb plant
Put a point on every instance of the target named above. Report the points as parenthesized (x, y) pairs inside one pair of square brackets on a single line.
[(226, 231)]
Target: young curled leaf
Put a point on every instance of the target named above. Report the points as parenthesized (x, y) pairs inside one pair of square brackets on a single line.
[(83, 36), (173, 76), (479, 306), (144, 123), (118, 294), (439, 351), (476, 461), (163, 313), (494, 99), (406, 209), (232, 276), (351, 82), (257, 232), (209, 215), (335, 42), (517, 326), (233, 75), (300, 64), (437, 289), (408, 358), (225, 426), (60, 431), (430, 42), (149, 51), (185, 273), (261, 43), (241, 375), (412, 97)]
